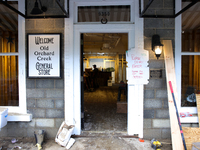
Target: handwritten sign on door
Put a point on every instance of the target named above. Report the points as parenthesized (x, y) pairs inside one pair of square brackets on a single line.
[(138, 70)]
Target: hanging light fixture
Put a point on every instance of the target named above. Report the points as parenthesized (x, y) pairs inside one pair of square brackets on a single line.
[(156, 45), (36, 10)]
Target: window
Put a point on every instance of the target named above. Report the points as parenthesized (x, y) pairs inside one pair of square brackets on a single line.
[(12, 59), (9, 63), (9, 95), (104, 14), (187, 59)]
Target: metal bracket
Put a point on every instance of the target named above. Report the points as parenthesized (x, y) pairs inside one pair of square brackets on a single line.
[(4, 2), (142, 13)]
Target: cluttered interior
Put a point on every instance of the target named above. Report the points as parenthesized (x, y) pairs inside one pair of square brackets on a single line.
[(104, 90)]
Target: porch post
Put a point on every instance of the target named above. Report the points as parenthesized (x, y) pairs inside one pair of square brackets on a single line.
[(135, 109)]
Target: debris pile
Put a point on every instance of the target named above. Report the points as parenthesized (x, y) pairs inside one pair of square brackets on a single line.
[(63, 136)]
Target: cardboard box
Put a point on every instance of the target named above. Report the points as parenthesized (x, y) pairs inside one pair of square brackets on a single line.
[(3, 117), (121, 107), (109, 82)]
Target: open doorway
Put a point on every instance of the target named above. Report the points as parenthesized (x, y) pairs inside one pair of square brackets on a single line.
[(104, 86)]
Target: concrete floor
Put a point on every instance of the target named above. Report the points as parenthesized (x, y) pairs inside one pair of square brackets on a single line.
[(100, 108), (92, 142)]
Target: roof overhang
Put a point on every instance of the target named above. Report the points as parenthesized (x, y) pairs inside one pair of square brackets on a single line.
[(26, 16)]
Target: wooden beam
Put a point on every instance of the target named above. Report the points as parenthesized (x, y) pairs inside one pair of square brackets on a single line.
[(196, 68), (177, 142), (198, 105), (122, 67), (117, 69)]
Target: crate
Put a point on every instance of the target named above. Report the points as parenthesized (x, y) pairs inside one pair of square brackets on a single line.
[(3, 117)]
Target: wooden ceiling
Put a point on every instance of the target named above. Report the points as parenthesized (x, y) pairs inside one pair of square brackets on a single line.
[(105, 43), (191, 17), (8, 18)]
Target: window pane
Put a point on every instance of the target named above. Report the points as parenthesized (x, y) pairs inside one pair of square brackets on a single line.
[(190, 80), (8, 28), (190, 27), (9, 81), (8, 43), (190, 41), (97, 13)]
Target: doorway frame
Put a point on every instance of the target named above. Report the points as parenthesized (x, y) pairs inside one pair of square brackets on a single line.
[(78, 29), (72, 78)]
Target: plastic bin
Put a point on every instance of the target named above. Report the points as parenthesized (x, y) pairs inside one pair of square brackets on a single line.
[(3, 117)]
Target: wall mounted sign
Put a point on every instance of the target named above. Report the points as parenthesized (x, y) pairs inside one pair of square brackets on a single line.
[(44, 55), (155, 73), (138, 70)]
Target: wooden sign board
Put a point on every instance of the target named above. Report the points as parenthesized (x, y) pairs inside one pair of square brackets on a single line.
[(44, 55), (138, 70)]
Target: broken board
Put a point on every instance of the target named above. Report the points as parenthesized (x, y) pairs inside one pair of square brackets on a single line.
[(177, 143)]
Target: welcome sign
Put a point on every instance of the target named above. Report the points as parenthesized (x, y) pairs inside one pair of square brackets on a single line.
[(44, 55)]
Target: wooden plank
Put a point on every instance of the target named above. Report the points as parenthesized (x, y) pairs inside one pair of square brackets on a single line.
[(4, 64), (117, 68), (177, 142), (198, 105), (190, 70), (196, 67), (14, 73), (191, 135), (122, 67), (9, 45)]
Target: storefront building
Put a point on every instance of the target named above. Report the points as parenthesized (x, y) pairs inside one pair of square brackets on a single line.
[(39, 99)]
